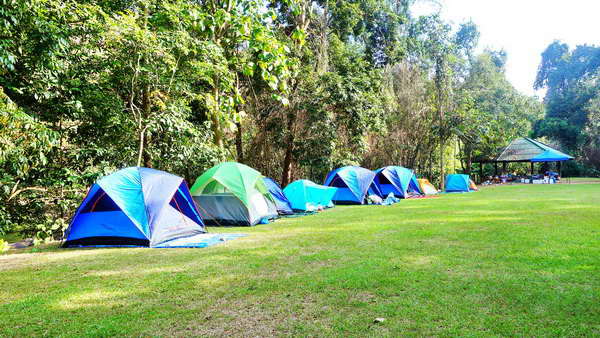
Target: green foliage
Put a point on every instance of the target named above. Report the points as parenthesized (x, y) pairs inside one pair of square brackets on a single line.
[(25, 145), (293, 88), (493, 111), (571, 78)]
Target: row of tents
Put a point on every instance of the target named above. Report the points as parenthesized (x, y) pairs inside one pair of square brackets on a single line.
[(146, 207)]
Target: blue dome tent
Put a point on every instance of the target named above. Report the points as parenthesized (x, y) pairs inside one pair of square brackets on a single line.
[(135, 207), (353, 183), (458, 183), (306, 195), (397, 180), (281, 202)]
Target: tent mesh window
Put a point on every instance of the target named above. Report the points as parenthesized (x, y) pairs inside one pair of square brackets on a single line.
[(100, 202), (383, 179), (214, 187), (338, 182)]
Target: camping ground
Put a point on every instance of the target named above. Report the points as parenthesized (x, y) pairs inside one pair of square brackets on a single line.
[(511, 260)]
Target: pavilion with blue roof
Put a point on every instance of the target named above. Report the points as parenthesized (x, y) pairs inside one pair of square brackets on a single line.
[(524, 149)]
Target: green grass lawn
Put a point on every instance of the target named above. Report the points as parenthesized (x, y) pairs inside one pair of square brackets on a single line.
[(505, 261)]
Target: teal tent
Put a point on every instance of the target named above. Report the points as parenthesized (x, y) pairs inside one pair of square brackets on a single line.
[(458, 183), (305, 195)]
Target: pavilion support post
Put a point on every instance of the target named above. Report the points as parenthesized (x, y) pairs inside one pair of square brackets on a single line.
[(531, 180), (480, 172), (495, 168), (504, 168), (559, 168)]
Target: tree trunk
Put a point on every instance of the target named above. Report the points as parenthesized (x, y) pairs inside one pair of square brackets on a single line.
[(442, 178), (439, 83), (146, 155), (216, 129), (141, 147), (469, 164), (215, 124), (468, 151), (286, 175), (238, 142), (430, 165), (441, 118)]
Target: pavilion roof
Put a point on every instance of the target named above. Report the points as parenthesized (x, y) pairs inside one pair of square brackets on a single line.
[(524, 149)]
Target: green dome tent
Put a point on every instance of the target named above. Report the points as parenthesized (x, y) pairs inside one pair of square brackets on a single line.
[(231, 193)]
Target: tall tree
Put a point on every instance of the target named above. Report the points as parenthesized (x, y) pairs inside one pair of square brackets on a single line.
[(572, 80)]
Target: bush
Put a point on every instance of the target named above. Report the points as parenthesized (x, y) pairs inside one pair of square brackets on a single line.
[(578, 169)]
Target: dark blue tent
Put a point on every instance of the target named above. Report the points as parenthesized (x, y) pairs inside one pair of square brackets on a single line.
[(135, 207), (397, 180), (281, 202), (457, 183), (353, 183), (305, 195)]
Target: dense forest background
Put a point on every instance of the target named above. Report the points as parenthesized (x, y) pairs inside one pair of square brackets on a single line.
[(293, 88)]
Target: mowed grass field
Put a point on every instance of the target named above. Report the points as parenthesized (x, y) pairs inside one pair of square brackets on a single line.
[(505, 261)]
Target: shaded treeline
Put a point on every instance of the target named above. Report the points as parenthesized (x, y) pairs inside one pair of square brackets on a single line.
[(293, 88)]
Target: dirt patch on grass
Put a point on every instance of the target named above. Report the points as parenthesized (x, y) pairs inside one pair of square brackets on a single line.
[(363, 297), (440, 242), (419, 260), (252, 317)]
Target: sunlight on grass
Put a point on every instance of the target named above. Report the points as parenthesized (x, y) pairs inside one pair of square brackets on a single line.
[(97, 298)]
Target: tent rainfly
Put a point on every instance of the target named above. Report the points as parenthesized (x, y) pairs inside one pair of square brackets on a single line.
[(135, 207), (231, 193), (281, 202), (458, 183), (426, 187), (353, 183), (306, 195), (399, 181)]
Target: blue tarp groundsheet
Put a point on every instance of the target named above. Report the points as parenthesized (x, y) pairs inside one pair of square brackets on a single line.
[(281, 202), (353, 183), (457, 183), (199, 241), (397, 180), (305, 195), (135, 207)]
